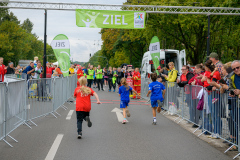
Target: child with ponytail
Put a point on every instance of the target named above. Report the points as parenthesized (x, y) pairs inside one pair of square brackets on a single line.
[(124, 94), (83, 104)]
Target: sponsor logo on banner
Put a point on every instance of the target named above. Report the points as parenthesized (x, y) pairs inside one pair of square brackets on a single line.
[(139, 20)]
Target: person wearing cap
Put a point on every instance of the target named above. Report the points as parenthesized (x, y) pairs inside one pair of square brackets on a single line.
[(215, 60), (10, 69)]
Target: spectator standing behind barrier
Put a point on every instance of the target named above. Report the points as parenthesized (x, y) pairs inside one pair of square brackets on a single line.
[(49, 70), (58, 70), (38, 71), (215, 60), (90, 73), (3, 70), (29, 70), (18, 71), (224, 86), (213, 98), (10, 69), (184, 79), (35, 61), (162, 71), (196, 81), (99, 77), (234, 87), (71, 69), (172, 73)]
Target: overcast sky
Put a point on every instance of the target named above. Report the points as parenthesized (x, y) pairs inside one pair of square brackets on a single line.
[(82, 40)]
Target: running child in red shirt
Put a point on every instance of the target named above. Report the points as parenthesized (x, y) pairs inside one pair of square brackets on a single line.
[(83, 104)]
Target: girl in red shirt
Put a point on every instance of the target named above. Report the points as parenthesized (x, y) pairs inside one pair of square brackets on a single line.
[(83, 104)]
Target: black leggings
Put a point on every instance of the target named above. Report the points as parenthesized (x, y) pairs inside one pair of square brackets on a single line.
[(80, 117), (99, 82), (89, 82)]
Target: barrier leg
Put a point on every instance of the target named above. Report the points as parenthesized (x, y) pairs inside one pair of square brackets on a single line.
[(57, 113), (201, 133), (33, 122), (64, 107), (27, 125), (176, 118), (196, 129), (236, 156), (180, 120), (229, 148), (12, 138), (7, 143), (53, 115)]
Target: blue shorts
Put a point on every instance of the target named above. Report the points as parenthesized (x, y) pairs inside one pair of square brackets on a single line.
[(154, 103), (123, 104)]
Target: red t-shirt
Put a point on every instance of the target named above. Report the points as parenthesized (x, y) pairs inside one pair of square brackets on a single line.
[(208, 75), (216, 75), (83, 102)]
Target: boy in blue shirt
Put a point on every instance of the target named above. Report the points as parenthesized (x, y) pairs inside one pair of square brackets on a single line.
[(158, 91), (124, 94)]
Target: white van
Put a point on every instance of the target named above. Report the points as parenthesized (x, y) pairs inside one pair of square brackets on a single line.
[(166, 56)]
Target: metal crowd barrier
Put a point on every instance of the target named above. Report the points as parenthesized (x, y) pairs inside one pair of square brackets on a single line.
[(16, 76), (144, 87), (23, 101), (13, 107), (220, 115)]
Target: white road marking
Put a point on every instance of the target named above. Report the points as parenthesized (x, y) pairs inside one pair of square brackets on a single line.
[(52, 152), (119, 114), (69, 116)]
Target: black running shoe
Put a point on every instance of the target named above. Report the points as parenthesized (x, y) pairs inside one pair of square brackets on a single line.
[(89, 123), (79, 135)]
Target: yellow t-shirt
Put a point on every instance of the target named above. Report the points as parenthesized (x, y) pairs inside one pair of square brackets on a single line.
[(71, 70)]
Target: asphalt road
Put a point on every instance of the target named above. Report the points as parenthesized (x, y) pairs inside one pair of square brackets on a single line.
[(107, 139)]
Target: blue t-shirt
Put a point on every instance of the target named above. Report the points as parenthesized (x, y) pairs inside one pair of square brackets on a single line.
[(29, 68), (237, 81), (124, 93), (156, 88)]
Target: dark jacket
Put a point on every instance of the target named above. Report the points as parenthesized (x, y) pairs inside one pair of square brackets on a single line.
[(119, 77), (10, 71), (110, 74), (183, 83)]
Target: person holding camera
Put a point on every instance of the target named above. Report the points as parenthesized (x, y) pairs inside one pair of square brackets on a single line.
[(29, 70)]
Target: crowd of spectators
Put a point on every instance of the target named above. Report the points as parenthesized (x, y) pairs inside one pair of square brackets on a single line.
[(217, 82)]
